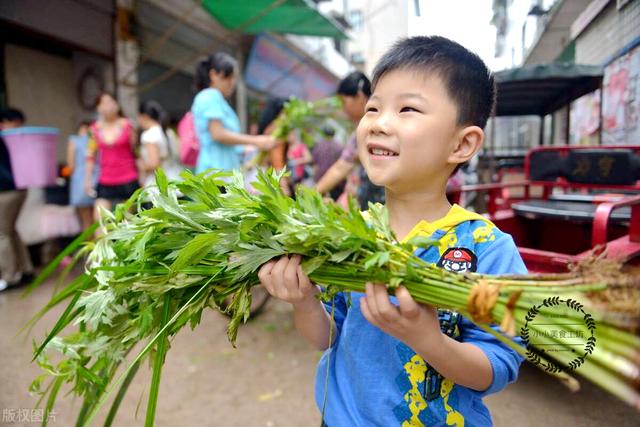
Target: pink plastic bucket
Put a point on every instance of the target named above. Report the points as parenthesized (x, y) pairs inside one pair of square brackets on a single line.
[(33, 155)]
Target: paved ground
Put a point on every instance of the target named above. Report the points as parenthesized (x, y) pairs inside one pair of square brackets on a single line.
[(266, 382)]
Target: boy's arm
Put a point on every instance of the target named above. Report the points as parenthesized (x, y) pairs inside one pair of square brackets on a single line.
[(480, 361), (463, 363), (314, 323), (285, 280), (418, 327)]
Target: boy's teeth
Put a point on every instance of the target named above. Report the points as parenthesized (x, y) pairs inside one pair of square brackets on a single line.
[(381, 152)]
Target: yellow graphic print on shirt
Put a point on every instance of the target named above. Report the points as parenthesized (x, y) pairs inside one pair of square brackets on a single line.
[(454, 418), (415, 370), (447, 241), (484, 233)]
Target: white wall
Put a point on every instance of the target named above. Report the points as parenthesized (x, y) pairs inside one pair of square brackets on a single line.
[(608, 33), (42, 86)]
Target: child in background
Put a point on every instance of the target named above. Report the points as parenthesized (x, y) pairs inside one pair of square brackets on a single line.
[(158, 144), (298, 157), (76, 161)]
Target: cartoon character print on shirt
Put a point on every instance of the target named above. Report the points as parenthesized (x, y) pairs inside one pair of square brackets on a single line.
[(458, 260)]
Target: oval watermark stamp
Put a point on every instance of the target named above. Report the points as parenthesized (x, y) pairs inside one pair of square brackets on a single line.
[(572, 332)]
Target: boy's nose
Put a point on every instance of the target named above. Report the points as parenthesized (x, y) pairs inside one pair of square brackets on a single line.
[(381, 123)]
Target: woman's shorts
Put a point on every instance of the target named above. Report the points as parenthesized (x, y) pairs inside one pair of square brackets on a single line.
[(117, 193)]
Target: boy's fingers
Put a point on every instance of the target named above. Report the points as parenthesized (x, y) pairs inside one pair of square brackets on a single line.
[(387, 310), (265, 270), (408, 306), (278, 269), (264, 274), (277, 278), (303, 280), (366, 312), (290, 275), (371, 300)]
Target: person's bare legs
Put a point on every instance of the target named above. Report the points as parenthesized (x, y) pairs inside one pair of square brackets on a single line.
[(14, 256), (85, 214)]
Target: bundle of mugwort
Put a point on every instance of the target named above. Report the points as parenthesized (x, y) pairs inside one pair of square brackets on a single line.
[(153, 272), (306, 119)]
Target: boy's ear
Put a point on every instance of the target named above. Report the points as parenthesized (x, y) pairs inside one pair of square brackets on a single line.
[(468, 143)]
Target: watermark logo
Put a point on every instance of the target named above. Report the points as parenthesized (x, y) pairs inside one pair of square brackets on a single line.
[(572, 332), (27, 415)]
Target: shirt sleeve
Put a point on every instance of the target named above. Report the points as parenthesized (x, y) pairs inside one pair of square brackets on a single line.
[(212, 103), (505, 362), (501, 257), (151, 136)]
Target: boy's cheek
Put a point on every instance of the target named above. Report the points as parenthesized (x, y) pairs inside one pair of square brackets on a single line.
[(362, 151)]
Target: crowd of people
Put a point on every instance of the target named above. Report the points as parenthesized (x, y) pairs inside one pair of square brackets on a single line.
[(109, 158)]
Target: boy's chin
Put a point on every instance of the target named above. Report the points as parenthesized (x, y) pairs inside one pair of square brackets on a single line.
[(381, 180)]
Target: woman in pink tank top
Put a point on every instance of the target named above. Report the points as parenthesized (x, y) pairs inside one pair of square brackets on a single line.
[(112, 142)]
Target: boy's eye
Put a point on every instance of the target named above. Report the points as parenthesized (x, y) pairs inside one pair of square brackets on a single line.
[(408, 109), (371, 109)]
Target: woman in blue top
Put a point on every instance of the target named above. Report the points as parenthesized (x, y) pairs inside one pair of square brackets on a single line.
[(216, 124), (76, 159)]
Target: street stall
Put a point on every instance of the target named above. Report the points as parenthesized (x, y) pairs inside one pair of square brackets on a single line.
[(574, 199)]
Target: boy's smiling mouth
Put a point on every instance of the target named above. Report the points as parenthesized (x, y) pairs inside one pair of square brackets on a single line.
[(380, 151)]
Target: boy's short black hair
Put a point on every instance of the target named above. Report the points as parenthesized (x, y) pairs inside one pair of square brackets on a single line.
[(466, 77)]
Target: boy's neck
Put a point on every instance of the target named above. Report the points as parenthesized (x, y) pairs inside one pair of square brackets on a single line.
[(408, 209)]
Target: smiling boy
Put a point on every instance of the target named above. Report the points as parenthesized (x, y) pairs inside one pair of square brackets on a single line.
[(394, 362)]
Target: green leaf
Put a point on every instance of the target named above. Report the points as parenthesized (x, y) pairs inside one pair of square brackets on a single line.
[(240, 308), (120, 396), (158, 362), (57, 383), (422, 241), (195, 250), (312, 264), (90, 376), (161, 181), (338, 257), (79, 283), (63, 321)]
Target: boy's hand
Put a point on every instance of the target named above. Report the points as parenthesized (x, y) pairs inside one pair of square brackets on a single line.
[(285, 280), (412, 323)]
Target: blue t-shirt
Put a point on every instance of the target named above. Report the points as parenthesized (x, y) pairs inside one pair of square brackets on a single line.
[(376, 380), (209, 104)]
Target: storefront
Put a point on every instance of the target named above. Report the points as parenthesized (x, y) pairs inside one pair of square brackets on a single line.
[(56, 57)]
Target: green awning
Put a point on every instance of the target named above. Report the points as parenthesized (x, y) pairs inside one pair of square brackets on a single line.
[(542, 89), (276, 16)]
